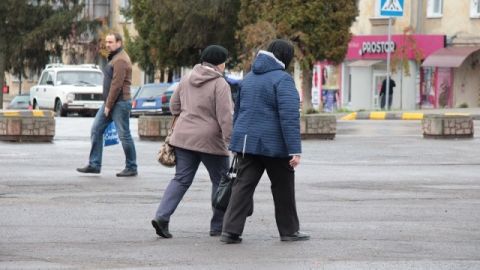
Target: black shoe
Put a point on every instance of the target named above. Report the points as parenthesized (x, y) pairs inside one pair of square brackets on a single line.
[(161, 228), (127, 173), (215, 233), (88, 169), (230, 238), (298, 236)]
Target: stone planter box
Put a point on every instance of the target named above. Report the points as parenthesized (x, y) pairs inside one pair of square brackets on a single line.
[(318, 126), (27, 126), (315, 126), (153, 127), (447, 126)]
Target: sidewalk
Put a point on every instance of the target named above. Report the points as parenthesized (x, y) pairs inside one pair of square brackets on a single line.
[(409, 115)]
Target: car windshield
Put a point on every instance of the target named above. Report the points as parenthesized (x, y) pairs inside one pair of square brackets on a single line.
[(149, 91), (21, 99), (79, 77)]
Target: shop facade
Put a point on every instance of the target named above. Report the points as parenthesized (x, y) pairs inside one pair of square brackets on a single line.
[(451, 78), (365, 68)]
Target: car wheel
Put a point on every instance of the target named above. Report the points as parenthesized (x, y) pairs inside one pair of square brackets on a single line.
[(59, 111)]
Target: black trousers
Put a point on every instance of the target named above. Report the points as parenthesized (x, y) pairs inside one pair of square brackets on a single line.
[(383, 99), (282, 177)]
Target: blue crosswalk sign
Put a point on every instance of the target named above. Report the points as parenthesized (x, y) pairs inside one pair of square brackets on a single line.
[(391, 8)]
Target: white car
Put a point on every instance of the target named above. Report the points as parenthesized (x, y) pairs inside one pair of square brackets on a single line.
[(69, 88)]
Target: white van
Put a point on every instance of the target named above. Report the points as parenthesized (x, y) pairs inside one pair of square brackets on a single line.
[(69, 88)]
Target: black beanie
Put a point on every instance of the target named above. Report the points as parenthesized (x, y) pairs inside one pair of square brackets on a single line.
[(214, 54), (283, 50)]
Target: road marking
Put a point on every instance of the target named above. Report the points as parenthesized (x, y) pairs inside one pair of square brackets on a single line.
[(412, 116), (38, 113), (11, 113), (351, 116), (378, 115)]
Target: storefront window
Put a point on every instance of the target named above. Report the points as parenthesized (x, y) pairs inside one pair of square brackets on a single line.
[(326, 86), (436, 88), (444, 86), (427, 93)]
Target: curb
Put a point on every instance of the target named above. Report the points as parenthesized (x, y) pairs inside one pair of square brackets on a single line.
[(27, 113), (396, 115)]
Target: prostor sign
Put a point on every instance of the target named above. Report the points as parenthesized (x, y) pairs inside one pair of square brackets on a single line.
[(377, 47)]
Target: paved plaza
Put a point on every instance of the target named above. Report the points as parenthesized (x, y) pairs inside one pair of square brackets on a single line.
[(379, 196)]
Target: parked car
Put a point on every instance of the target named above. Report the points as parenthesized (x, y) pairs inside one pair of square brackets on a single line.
[(133, 91), (20, 102), (69, 88), (166, 98), (148, 99)]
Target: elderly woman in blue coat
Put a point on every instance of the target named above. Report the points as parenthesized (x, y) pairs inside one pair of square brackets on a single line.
[(266, 137)]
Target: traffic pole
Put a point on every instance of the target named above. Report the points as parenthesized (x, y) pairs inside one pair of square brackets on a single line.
[(389, 50)]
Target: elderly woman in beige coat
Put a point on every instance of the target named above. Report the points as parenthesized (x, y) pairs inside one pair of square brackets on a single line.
[(203, 105)]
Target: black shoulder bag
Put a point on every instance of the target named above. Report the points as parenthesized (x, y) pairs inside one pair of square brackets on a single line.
[(224, 190)]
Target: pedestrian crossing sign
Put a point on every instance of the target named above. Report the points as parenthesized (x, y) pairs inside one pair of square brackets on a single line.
[(391, 8)]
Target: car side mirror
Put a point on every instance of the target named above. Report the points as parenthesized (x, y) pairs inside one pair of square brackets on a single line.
[(49, 82)]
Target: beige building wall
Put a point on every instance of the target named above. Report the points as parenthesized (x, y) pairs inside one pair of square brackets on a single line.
[(462, 30), (466, 83), (369, 21), (455, 22)]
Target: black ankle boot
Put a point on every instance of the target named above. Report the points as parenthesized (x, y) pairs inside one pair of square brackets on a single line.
[(161, 228)]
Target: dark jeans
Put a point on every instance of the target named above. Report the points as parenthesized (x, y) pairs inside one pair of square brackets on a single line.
[(282, 177), (185, 170), (120, 114)]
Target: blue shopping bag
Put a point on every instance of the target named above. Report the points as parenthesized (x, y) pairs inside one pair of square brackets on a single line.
[(110, 136)]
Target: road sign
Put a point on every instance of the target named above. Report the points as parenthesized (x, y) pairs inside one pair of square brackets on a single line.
[(391, 8)]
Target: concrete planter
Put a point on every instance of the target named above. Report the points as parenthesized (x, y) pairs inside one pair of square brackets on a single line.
[(315, 126), (27, 126), (318, 126), (154, 127), (447, 126)]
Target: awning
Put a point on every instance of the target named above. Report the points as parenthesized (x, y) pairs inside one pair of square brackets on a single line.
[(449, 57), (364, 63)]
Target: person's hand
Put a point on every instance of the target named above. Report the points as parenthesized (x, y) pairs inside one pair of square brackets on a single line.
[(106, 111), (294, 161)]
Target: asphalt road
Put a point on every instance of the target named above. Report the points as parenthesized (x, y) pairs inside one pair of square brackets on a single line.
[(379, 196)]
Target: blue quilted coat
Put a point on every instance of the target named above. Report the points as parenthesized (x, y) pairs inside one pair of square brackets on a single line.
[(267, 117)]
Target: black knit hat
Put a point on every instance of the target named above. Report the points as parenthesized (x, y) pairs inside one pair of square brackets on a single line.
[(283, 50), (214, 54)]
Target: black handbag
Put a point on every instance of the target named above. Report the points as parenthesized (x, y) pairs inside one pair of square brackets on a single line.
[(224, 190)]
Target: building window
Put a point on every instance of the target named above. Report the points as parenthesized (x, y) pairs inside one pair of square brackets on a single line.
[(123, 5), (475, 8), (435, 8)]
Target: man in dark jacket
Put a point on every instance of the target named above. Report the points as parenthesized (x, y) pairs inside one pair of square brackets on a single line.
[(266, 136), (116, 108), (383, 93)]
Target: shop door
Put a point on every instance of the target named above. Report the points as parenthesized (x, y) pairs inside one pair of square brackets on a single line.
[(378, 78)]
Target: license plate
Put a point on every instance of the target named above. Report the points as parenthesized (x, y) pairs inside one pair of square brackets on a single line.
[(92, 106), (148, 104)]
